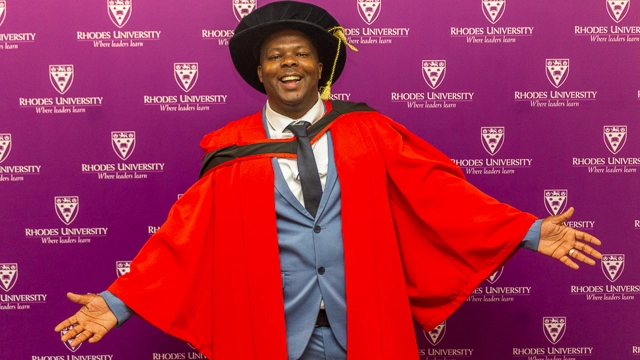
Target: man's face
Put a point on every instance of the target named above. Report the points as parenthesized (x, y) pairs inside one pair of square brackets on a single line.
[(289, 70)]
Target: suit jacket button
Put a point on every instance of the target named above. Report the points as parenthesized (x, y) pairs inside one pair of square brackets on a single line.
[(317, 229), (321, 270)]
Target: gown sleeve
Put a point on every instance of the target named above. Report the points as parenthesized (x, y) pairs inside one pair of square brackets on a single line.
[(450, 234), (169, 284)]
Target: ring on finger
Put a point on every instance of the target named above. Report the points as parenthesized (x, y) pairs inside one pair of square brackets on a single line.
[(572, 251)]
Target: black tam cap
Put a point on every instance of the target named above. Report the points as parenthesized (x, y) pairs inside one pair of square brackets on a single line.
[(314, 21)]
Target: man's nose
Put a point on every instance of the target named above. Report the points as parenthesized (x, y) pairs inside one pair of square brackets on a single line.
[(290, 60)]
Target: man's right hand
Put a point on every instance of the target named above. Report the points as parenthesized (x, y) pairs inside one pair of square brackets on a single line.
[(91, 322)]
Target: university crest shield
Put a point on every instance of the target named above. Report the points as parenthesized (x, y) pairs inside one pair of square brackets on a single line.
[(369, 10), (123, 267), (3, 11), (612, 266), (554, 328), (242, 8), (8, 275), (67, 343), (492, 138), (493, 9), (5, 146), (555, 200), (618, 9), (61, 77), (67, 208), (495, 276), (186, 75), (123, 143), (119, 11), (433, 72), (557, 71), (436, 334), (615, 136)]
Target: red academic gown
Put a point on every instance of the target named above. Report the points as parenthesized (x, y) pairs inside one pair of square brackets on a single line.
[(418, 239)]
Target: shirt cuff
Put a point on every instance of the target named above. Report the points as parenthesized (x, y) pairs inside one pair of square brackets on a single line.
[(532, 239), (117, 307)]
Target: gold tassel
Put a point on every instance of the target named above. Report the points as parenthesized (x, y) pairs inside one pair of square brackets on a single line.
[(338, 32), (326, 92)]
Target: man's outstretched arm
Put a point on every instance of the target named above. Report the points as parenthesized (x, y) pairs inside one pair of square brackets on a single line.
[(91, 322)]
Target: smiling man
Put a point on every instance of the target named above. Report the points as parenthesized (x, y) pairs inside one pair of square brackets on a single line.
[(318, 229)]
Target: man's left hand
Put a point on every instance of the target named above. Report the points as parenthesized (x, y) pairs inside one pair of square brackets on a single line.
[(566, 244)]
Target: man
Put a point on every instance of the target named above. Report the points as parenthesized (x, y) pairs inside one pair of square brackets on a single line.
[(371, 228)]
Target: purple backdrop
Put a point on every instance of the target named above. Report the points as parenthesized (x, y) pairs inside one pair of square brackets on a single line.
[(103, 104)]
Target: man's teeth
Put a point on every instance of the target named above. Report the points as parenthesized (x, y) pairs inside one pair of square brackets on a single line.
[(290, 78)]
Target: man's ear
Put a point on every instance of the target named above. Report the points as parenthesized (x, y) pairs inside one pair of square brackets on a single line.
[(319, 71), (260, 72)]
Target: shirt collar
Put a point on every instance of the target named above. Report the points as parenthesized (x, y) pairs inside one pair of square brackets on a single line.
[(278, 122)]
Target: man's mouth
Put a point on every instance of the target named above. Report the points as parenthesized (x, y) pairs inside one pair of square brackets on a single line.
[(290, 79)]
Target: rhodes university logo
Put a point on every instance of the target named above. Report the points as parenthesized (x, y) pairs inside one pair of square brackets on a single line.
[(186, 75), (433, 72), (612, 266), (8, 275), (369, 10), (557, 71), (123, 267), (5, 146), (493, 10), (554, 328), (435, 336), (615, 136), (492, 138), (67, 208), (618, 9), (495, 276), (119, 11), (555, 200), (3, 11), (123, 143), (242, 8), (67, 343), (61, 77)]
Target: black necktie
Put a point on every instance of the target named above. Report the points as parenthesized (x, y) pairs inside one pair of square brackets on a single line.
[(307, 168)]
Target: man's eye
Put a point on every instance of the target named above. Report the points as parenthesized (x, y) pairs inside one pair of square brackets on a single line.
[(303, 54), (274, 57)]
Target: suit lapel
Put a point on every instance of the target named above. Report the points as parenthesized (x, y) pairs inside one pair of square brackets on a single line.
[(283, 189)]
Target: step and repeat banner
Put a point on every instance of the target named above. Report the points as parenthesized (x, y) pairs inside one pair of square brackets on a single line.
[(103, 104)]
